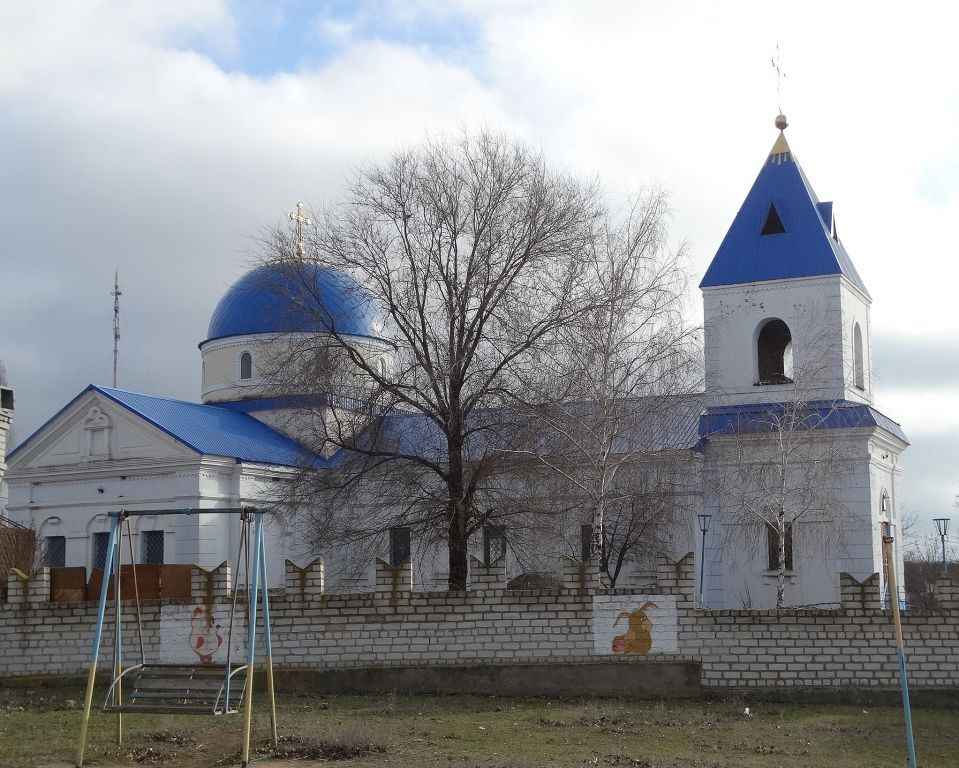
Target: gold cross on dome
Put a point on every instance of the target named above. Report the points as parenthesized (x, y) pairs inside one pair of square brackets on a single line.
[(299, 220)]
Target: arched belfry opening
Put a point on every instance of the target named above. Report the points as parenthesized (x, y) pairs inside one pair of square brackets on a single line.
[(774, 353), (858, 362)]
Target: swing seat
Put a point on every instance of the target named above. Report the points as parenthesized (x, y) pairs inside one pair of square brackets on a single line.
[(180, 689)]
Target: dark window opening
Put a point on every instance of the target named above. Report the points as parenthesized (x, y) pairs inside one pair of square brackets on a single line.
[(101, 543), (772, 543), (858, 358), (773, 224), (774, 349), (585, 541), (400, 546), (246, 366), (494, 544), (56, 551), (151, 547)]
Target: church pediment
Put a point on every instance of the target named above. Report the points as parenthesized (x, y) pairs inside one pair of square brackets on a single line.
[(94, 428)]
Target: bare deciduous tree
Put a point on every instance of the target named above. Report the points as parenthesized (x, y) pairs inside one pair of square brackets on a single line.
[(473, 251)]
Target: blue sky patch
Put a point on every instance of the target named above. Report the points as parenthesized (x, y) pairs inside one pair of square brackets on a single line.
[(292, 35)]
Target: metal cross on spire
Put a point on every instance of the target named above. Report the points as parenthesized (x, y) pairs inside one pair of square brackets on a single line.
[(777, 62), (299, 220)]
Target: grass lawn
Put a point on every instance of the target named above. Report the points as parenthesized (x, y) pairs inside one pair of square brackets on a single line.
[(39, 726)]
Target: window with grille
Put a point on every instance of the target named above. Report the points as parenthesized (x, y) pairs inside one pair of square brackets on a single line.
[(151, 547), (400, 545), (56, 551), (101, 543), (494, 543), (772, 542)]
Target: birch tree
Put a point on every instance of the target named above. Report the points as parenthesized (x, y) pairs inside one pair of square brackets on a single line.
[(620, 388)]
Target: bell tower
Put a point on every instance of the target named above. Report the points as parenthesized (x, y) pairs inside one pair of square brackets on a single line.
[(786, 313)]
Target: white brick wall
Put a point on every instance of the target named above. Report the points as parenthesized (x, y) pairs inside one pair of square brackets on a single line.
[(395, 626)]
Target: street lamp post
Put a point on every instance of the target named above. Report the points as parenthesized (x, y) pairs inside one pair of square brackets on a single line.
[(703, 526), (942, 528)]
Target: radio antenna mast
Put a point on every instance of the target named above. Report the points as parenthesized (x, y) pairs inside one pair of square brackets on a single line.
[(116, 323)]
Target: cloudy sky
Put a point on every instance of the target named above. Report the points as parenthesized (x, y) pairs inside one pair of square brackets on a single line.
[(156, 138)]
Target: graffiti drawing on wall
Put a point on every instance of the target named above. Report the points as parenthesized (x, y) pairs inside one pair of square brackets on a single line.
[(634, 624), (205, 637), (196, 633), (637, 638)]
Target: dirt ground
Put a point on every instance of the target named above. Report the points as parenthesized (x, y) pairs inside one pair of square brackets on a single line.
[(39, 728)]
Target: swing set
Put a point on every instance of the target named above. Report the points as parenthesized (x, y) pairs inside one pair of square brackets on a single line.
[(198, 688)]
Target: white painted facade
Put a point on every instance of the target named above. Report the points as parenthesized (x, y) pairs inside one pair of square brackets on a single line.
[(96, 457), (821, 313)]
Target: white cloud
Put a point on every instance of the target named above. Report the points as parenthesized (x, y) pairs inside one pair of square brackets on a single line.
[(124, 144), (922, 411)]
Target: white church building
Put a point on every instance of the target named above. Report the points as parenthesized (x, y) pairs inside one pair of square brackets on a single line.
[(786, 321)]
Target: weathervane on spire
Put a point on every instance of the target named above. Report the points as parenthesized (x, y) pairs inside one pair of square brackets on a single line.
[(299, 220), (781, 122)]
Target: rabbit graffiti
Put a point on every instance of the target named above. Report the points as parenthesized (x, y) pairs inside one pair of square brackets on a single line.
[(638, 636)]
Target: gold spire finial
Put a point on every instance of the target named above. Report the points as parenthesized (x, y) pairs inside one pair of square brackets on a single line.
[(299, 220)]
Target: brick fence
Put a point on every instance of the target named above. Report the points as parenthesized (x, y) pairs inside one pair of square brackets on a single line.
[(397, 627)]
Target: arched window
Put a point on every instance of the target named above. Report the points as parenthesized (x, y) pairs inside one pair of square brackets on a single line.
[(246, 366), (774, 353), (857, 356)]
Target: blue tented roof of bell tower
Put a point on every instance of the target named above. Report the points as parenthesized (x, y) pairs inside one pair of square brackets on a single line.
[(804, 245)]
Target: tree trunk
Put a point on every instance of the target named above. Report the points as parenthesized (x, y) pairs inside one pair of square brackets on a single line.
[(457, 538), (596, 545), (781, 583), (458, 544)]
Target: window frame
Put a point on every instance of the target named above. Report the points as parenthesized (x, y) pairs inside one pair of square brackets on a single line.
[(62, 543), (401, 545), (858, 357), (147, 539), (245, 355), (95, 541), (772, 548)]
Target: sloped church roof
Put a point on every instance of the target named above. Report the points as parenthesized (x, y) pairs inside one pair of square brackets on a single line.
[(207, 429), (781, 231)]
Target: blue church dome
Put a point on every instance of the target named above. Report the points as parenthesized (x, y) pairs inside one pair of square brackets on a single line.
[(298, 296)]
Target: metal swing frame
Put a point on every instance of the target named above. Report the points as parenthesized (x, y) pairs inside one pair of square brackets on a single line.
[(184, 688)]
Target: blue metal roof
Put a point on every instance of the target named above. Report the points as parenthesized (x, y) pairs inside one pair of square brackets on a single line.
[(207, 429), (292, 296), (665, 423), (816, 414), (214, 431), (805, 249)]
